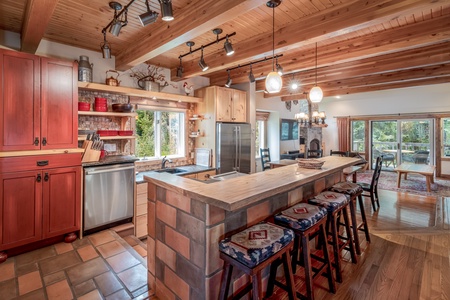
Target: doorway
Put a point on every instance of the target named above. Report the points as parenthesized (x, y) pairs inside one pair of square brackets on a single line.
[(402, 141)]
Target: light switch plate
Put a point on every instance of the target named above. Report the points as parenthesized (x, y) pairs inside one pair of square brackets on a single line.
[(110, 147)]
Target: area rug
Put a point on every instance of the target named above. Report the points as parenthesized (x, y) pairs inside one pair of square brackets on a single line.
[(414, 184)]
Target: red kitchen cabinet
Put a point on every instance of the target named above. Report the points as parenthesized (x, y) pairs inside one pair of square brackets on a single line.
[(38, 102), (40, 198)]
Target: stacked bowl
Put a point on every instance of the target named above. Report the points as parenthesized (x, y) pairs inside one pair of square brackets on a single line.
[(101, 104)]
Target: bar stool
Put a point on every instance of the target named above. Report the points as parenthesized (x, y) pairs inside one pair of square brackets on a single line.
[(355, 192), (253, 249), (307, 221), (336, 205)]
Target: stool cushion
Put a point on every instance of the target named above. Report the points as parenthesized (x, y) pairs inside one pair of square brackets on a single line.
[(301, 216), (346, 187), (332, 201), (256, 243)]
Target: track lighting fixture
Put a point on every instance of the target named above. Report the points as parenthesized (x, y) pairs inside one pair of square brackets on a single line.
[(228, 83), (180, 69), (105, 47), (149, 16), (116, 25), (202, 64), (228, 47), (166, 10), (279, 68), (316, 93), (251, 77), (274, 82)]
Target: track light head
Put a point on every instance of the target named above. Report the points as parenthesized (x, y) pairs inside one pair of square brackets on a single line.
[(251, 77), (180, 69), (202, 64), (105, 47), (166, 10), (115, 27), (228, 47), (279, 69), (149, 16), (229, 81)]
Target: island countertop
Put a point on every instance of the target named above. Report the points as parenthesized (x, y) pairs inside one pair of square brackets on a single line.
[(238, 192)]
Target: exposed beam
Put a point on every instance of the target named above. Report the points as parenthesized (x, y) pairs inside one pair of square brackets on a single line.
[(36, 18), (398, 39), (338, 21), (191, 21)]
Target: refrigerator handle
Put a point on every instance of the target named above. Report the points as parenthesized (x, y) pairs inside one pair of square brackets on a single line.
[(240, 148), (236, 141)]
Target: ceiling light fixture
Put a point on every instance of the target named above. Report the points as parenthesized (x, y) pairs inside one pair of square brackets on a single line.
[(274, 82), (294, 84), (149, 16), (279, 68), (251, 77), (166, 10), (117, 23), (105, 47), (229, 81), (316, 93), (228, 47), (180, 69), (202, 64)]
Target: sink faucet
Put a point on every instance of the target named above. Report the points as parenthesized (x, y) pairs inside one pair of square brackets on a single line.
[(164, 160)]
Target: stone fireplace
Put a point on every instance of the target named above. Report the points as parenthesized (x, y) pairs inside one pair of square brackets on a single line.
[(311, 137)]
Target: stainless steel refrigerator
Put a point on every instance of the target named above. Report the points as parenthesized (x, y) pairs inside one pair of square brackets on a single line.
[(233, 146)]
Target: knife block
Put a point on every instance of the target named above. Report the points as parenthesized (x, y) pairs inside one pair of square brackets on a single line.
[(90, 155)]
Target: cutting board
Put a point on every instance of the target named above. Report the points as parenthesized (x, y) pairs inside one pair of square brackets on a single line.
[(203, 157)]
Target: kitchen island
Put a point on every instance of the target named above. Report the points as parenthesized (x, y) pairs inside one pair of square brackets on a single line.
[(187, 219)]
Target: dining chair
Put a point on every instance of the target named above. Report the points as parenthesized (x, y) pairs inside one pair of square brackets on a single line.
[(315, 153), (371, 190), (338, 153), (265, 158)]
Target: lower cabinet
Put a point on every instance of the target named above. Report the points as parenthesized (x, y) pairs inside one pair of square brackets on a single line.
[(201, 175), (140, 216), (39, 203)]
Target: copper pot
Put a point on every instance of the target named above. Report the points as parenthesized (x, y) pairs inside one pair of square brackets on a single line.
[(111, 80)]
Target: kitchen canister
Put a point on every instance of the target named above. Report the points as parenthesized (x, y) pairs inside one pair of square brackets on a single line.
[(84, 69)]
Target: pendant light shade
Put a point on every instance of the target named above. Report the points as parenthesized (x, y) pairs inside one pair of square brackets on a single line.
[(166, 10), (105, 47), (274, 82), (315, 94)]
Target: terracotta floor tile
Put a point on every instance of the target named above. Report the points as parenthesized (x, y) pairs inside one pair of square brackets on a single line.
[(81, 243), (101, 237), (25, 269), (59, 291), (134, 278), (35, 256), (122, 261), (139, 249), (59, 263), (110, 249), (29, 282), (84, 288), (63, 247), (35, 295), (8, 289), (7, 270), (119, 295), (87, 270), (130, 240), (108, 283), (53, 278), (87, 252), (94, 295)]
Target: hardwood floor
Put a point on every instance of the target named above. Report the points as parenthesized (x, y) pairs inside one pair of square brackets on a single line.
[(408, 257)]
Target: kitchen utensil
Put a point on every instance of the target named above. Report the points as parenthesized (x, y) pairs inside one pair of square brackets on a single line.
[(111, 80)]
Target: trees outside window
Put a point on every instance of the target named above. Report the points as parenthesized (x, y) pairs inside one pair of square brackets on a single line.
[(358, 136)]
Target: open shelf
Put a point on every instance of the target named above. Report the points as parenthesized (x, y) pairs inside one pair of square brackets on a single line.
[(112, 137)]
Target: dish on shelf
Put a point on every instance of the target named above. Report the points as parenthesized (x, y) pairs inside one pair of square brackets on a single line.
[(125, 132), (107, 132), (122, 107), (84, 106)]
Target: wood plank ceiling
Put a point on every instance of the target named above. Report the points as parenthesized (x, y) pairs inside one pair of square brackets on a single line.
[(361, 45)]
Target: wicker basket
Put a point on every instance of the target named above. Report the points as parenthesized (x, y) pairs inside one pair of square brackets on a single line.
[(310, 163)]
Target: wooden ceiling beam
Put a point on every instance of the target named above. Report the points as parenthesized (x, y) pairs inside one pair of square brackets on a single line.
[(36, 19), (193, 20), (390, 41), (337, 21)]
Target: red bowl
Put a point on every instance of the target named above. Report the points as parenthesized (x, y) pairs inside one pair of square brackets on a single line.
[(107, 132), (84, 106), (100, 100), (102, 108), (125, 132)]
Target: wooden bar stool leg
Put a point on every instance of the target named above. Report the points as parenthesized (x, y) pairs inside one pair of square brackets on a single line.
[(355, 224), (226, 278), (335, 239), (287, 264), (326, 256), (297, 242), (349, 233), (308, 267), (257, 289), (363, 217)]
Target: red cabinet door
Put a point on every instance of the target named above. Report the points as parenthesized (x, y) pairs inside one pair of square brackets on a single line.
[(61, 201), (19, 101), (20, 208), (59, 104)]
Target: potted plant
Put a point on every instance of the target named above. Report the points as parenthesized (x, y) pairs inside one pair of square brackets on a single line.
[(150, 79)]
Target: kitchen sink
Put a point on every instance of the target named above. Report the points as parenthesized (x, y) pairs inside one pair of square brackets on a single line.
[(172, 171)]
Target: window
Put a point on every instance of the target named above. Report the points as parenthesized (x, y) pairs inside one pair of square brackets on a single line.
[(260, 141), (358, 136), (446, 137), (160, 133), (289, 130)]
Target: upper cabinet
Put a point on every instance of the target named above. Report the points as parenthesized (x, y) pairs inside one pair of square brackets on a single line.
[(38, 102)]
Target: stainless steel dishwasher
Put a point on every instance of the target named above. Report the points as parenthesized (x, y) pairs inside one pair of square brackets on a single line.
[(108, 196)]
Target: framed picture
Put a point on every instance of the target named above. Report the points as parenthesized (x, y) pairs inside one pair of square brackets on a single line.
[(288, 130)]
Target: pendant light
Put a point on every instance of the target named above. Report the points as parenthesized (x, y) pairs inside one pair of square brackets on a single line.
[(316, 93), (274, 82)]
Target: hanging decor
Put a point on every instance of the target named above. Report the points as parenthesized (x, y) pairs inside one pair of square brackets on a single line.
[(316, 93), (274, 82)]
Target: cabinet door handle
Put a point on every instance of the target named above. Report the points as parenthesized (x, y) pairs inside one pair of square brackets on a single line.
[(44, 141), (38, 178), (36, 141), (41, 163), (46, 177)]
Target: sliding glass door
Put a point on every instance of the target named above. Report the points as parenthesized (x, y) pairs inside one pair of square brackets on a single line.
[(402, 141)]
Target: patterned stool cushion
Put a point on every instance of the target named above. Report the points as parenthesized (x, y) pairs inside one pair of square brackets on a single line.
[(301, 216), (346, 187), (330, 200), (256, 243)]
